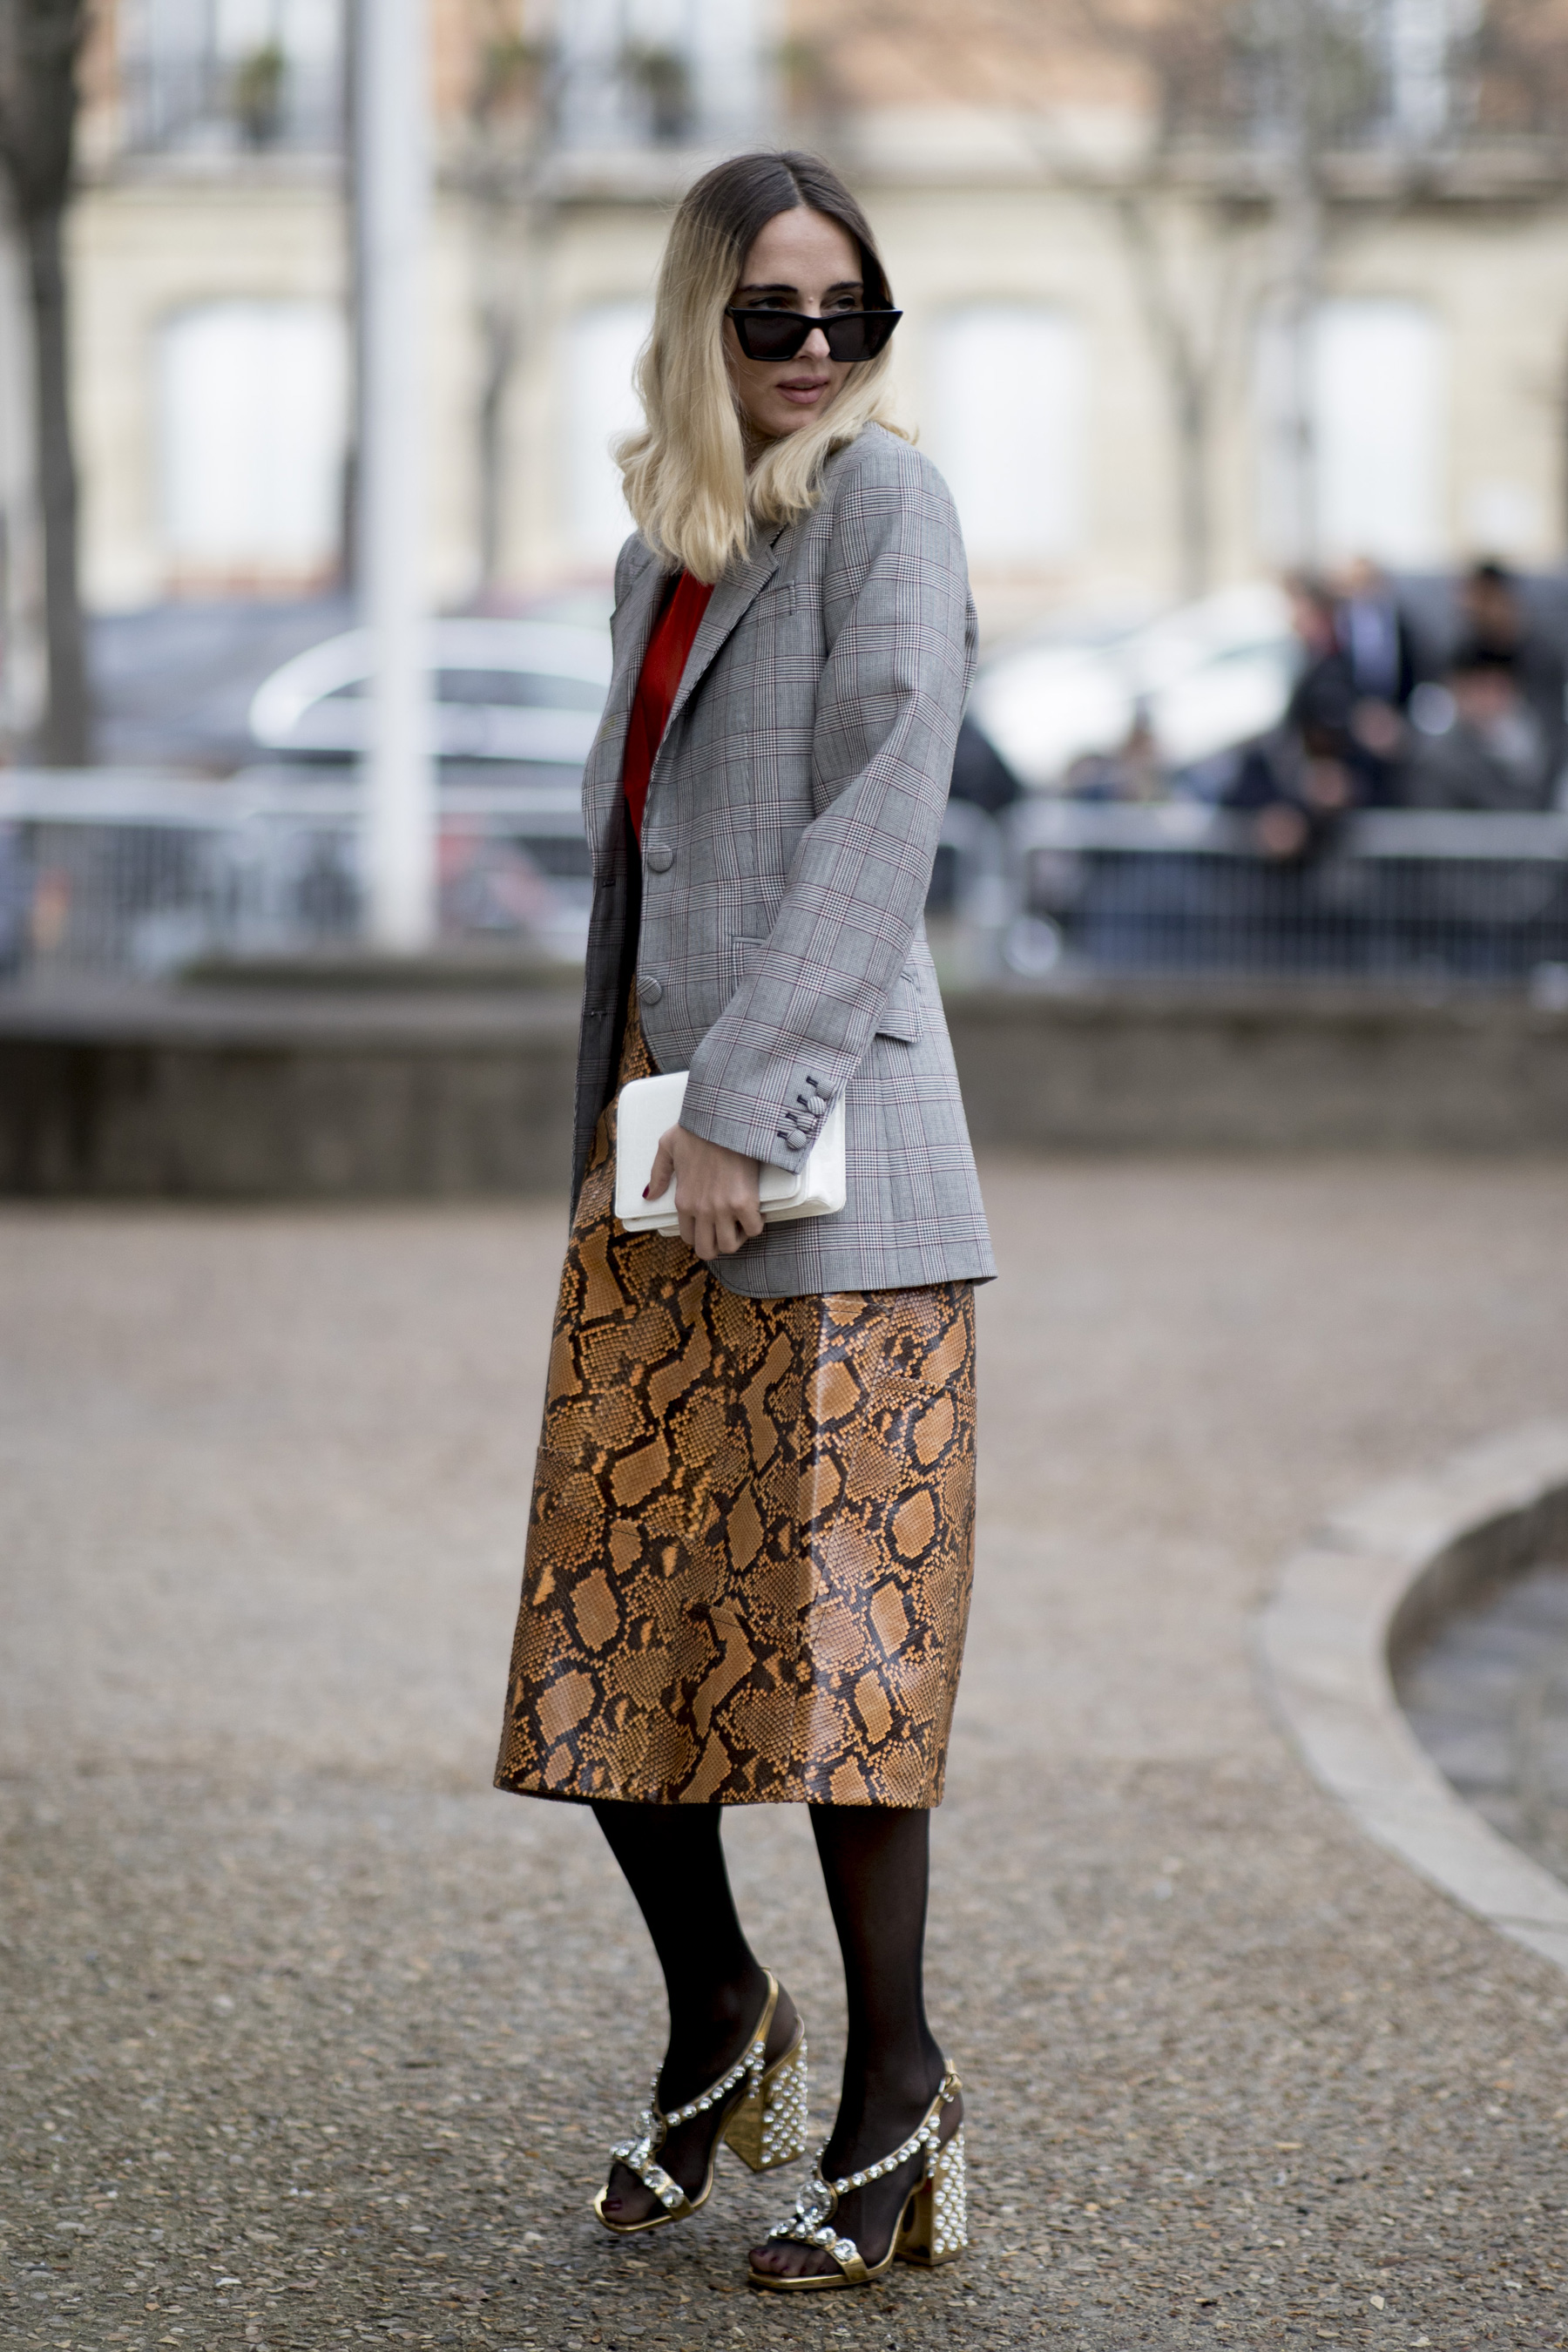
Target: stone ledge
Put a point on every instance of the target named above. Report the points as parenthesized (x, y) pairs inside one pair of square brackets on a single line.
[(1355, 1599), (383, 1090), (1190, 1066), (255, 1095)]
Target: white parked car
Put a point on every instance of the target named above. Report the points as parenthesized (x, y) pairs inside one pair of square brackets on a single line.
[(1207, 675), (518, 691)]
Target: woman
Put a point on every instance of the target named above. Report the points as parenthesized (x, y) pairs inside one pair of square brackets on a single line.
[(750, 1551)]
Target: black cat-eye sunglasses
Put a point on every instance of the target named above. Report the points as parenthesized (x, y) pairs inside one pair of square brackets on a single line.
[(782, 334)]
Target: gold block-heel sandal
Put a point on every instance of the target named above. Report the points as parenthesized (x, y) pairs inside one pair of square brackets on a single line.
[(933, 2228), (765, 2124)]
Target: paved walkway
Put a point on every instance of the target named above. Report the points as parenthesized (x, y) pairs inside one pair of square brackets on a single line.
[(310, 2038), (1488, 1699)]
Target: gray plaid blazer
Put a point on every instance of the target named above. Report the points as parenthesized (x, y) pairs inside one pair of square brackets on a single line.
[(793, 815)]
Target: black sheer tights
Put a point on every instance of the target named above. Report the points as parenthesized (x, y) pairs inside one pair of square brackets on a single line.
[(875, 1864), (671, 1859)]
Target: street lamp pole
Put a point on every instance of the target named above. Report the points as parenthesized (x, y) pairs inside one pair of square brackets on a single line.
[(393, 174)]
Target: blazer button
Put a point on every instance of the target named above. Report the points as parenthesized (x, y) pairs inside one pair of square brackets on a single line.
[(650, 992), (660, 858)]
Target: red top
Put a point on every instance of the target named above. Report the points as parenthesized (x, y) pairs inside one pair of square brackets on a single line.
[(657, 688)]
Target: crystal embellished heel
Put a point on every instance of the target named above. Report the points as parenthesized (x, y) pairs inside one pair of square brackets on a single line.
[(764, 2123), (935, 2227), (769, 2126), (932, 2229)]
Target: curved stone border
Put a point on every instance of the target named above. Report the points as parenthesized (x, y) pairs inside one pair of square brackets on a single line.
[(1365, 1590)]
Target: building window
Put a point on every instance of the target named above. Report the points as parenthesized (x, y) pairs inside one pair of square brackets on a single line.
[(252, 416), (1375, 380), (602, 347), (224, 76), (1006, 414), (663, 72)]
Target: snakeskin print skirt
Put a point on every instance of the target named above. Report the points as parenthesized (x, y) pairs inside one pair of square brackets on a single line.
[(751, 1545)]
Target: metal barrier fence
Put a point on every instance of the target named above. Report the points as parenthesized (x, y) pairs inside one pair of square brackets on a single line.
[(117, 871), (1416, 897)]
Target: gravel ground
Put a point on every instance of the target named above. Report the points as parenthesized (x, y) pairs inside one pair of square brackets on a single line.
[(310, 2037)]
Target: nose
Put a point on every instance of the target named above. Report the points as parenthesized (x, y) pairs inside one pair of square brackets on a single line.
[(814, 346)]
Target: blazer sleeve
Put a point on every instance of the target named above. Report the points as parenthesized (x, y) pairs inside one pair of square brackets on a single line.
[(900, 631)]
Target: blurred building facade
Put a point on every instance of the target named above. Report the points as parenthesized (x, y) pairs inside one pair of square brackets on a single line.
[(1097, 231)]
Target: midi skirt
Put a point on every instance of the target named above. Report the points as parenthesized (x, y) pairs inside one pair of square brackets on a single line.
[(751, 1537)]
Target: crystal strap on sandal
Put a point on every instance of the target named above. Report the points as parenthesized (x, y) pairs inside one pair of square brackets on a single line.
[(765, 2126), (933, 2228)]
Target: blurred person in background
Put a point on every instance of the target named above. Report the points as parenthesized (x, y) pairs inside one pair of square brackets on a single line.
[(1380, 651), (1376, 637), (980, 774), (1298, 781), (1495, 621), (1493, 752), (16, 900), (751, 1546), (1133, 771), (981, 779)]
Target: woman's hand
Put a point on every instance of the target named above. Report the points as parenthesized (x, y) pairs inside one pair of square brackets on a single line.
[(715, 1191)]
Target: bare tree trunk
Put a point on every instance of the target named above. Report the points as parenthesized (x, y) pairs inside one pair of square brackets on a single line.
[(507, 201), (66, 730), (1300, 241), (1194, 537), (40, 41), (349, 501), (1299, 218), (1189, 371), (497, 330)]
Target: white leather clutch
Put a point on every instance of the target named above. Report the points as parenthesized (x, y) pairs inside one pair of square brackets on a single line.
[(648, 1105)]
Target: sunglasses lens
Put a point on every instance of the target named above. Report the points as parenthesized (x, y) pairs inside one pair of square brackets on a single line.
[(771, 334), (860, 334)]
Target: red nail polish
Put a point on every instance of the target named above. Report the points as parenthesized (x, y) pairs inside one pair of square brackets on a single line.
[(646, 1191)]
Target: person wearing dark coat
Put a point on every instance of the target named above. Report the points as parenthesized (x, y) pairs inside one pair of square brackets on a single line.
[(1496, 621), (1377, 640), (1493, 754), (980, 773), (1298, 780)]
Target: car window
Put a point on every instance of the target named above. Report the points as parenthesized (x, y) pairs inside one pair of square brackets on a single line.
[(515, 688), (1263, 649)]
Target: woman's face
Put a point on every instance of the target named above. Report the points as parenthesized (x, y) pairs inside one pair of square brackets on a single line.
[(801, 261)]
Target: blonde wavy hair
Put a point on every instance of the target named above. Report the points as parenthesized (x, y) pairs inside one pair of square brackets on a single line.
[(686, 477)]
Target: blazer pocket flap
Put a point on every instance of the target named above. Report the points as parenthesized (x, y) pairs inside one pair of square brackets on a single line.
[(776, 602), (901, 1016)]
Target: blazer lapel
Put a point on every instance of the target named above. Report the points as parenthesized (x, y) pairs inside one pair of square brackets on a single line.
[(634, 620), (727, 606), (633, 626)]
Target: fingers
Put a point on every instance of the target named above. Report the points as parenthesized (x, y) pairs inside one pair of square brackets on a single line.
[(714, 1233), (663, 1169), (715, 1193)]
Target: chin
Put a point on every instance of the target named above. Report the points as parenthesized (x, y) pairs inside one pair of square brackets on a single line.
[(795, 419)]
